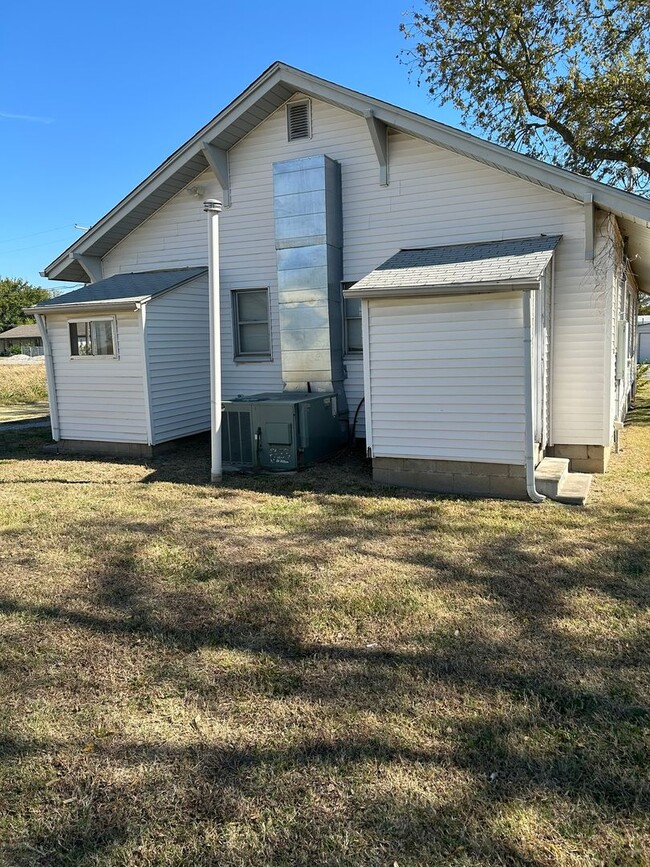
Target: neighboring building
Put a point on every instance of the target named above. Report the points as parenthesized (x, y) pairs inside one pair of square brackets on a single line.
[(456, 255), (25, 339), (643, 339)]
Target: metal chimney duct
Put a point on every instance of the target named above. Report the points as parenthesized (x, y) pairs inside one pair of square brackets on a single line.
[(309, 245)]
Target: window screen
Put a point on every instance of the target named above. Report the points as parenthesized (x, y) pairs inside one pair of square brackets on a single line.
[(251, 321), (92, 337), (353, 341)]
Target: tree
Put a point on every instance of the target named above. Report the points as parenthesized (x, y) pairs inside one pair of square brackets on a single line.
[(14, 295), (567, 81)]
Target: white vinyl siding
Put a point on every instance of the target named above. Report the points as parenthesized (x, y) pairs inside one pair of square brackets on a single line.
[(435, 197), (101, 399), (177, 334), (447, 378), (354, 392)]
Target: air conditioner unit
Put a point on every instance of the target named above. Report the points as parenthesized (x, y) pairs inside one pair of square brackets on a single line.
[(281, 431)]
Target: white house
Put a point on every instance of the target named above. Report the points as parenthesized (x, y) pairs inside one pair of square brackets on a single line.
[(486, 318)]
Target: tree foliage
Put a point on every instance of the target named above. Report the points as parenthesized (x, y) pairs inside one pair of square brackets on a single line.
[(561, 80), (14, 295)]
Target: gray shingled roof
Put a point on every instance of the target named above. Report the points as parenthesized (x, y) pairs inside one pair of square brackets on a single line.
[(21, 331), (125, 287), (490, 263)]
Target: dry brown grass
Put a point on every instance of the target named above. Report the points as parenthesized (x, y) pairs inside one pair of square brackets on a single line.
[(22, 383), (310, 669)]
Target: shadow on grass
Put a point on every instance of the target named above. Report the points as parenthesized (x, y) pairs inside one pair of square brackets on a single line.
[(590, 751), (511, 732)]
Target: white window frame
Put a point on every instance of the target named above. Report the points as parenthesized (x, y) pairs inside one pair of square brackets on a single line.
[(249, 357), (113, 321)]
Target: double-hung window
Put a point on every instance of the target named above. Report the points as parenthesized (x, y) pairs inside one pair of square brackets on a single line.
[(352, 339), (93, 337), (251, 321)]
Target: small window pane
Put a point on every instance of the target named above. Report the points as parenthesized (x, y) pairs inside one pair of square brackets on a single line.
[(355, 340), (103, 342), (254, 338), (251, 322), (94, 337), (253, 307), (353, 307)]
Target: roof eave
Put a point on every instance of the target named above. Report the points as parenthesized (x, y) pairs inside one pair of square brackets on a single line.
[(172, 164), (84, 306), (443, 289), (578, 187)]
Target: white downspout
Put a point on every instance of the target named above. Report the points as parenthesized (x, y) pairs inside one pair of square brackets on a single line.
[(51, 382), (142, 312), (529, 407), (213, 208)]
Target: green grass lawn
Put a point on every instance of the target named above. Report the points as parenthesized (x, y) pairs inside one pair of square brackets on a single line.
[(312, 670)]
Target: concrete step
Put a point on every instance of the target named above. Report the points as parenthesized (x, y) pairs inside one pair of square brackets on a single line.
[(574, 489), (549, 475)]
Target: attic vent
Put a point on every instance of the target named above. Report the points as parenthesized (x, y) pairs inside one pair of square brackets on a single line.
[(298, 120)]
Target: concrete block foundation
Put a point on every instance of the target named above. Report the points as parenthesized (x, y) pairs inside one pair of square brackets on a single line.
[(138, 451), (583, 459), (469, 478), (91, 447)]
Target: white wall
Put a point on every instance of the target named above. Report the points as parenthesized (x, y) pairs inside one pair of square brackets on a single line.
[(434, 197), (354, 392), (177, 337), (643, 333), (100, 398), (621, 293), (447, 378)]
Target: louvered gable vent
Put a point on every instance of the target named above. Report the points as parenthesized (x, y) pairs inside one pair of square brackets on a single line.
[(298, 120)]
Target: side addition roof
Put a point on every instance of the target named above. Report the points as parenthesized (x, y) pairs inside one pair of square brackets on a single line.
[(209, 148), (460, 268), (121, 290)]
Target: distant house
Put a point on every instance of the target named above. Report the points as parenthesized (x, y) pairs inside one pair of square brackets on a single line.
[(25, 339), (469, 309), (643, 332)]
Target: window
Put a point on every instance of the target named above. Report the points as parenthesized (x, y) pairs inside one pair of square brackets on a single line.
[(298, 120), (352, 336), (90, 337), (251, 324)]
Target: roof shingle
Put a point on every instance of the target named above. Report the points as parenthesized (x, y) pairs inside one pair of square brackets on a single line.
[(521, 260), (125, 287)]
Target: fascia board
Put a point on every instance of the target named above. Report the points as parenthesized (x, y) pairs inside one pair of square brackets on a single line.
[(558, 180), (449, 289)]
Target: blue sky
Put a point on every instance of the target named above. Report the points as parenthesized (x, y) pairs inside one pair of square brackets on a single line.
[(93, 97)]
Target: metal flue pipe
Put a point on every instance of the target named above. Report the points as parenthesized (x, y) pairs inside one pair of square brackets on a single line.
[(213, 208)]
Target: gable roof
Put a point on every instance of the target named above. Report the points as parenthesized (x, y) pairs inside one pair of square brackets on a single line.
[(20, 331), (121, 289), (483, 267), (273, 88)]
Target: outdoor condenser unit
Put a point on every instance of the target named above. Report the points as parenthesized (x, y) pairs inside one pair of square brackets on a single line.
[(281, 431)]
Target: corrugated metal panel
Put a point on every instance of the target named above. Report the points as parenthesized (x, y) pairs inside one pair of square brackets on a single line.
[(444, 417)]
